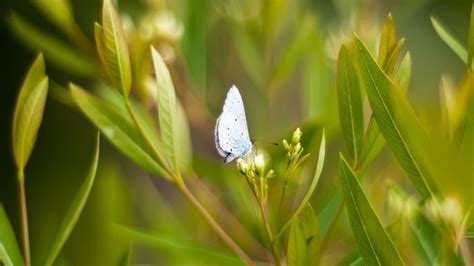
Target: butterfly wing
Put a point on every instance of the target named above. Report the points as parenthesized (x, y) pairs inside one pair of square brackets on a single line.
[(231, 132)]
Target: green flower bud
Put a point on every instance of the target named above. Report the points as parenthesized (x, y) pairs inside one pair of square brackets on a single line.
[(286, 145), (297, 149), (259, 164), (296, 136), (243, 166)]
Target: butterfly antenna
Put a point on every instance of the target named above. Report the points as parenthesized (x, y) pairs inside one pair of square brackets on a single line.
[(266, 142)]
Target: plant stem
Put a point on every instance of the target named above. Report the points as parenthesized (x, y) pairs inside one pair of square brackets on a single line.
[(215, 226), (24, 218), (268, 230)]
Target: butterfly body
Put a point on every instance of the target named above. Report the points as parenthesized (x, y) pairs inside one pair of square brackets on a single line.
[(231, 132)]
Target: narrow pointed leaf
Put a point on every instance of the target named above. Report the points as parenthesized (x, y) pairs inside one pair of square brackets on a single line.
[(166, 108), (310, 227), (351, 115), (312, 186), (373, 241), (384, 98), (56, 52), (9, 250), (184, 156), (392, 58), (29, 112), (449, 40), (296, 250), (403, 75), (373, 144), (388, 40), (118, 129), (117, 59), (75, 209)]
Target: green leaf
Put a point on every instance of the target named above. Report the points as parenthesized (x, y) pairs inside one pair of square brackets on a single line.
[(196, 252), (113, 49), (388, 40), (449, 40), (296, 250), (470, 41), (9, 250), (373, 144), (185, 154), (118, 129), (373, 242), (167, 109), (310, 227), (392, 58), (75, 209), (384, 97), (58, 53), (29, 112), (403, 75), (351, 114), (312, 186), (58, 11)]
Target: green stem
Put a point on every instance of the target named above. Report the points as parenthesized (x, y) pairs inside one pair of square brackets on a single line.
[(215, 226), (24, 218), (268, 230)]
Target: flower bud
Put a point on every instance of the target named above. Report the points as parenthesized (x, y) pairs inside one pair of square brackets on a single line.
[(242, 166), (296, 136), (297, 148), (286, 145), (259, 164)]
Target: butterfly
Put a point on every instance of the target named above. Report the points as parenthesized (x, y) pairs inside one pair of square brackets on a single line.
[(231, 132)]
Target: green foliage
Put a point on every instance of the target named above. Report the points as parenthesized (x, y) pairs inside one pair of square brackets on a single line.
[(167, 109), (350, 105), (113, 50), (29, 112), (373, 242), (56, 52), (118, 129), (384, 98), (75, 209), (297, 65), (450, 40), (9, 250)]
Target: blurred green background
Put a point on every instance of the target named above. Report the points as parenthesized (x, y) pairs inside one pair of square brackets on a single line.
[(284, 66)]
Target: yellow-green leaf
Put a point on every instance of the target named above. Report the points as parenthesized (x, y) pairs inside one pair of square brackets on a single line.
[(167, 109), (184, 156), (374, 243), (29, 112), (310, 227), (404, 73), (388, 40), (75, 209), (296, 250), (452, 42), (349, 99), (9, 251), (384, 99), (115, 55), (118, 129)]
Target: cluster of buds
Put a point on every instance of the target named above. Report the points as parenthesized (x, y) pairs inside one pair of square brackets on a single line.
[(294, 149), (253, 168)]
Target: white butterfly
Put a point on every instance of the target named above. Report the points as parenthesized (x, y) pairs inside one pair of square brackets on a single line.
[(231, 132)]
